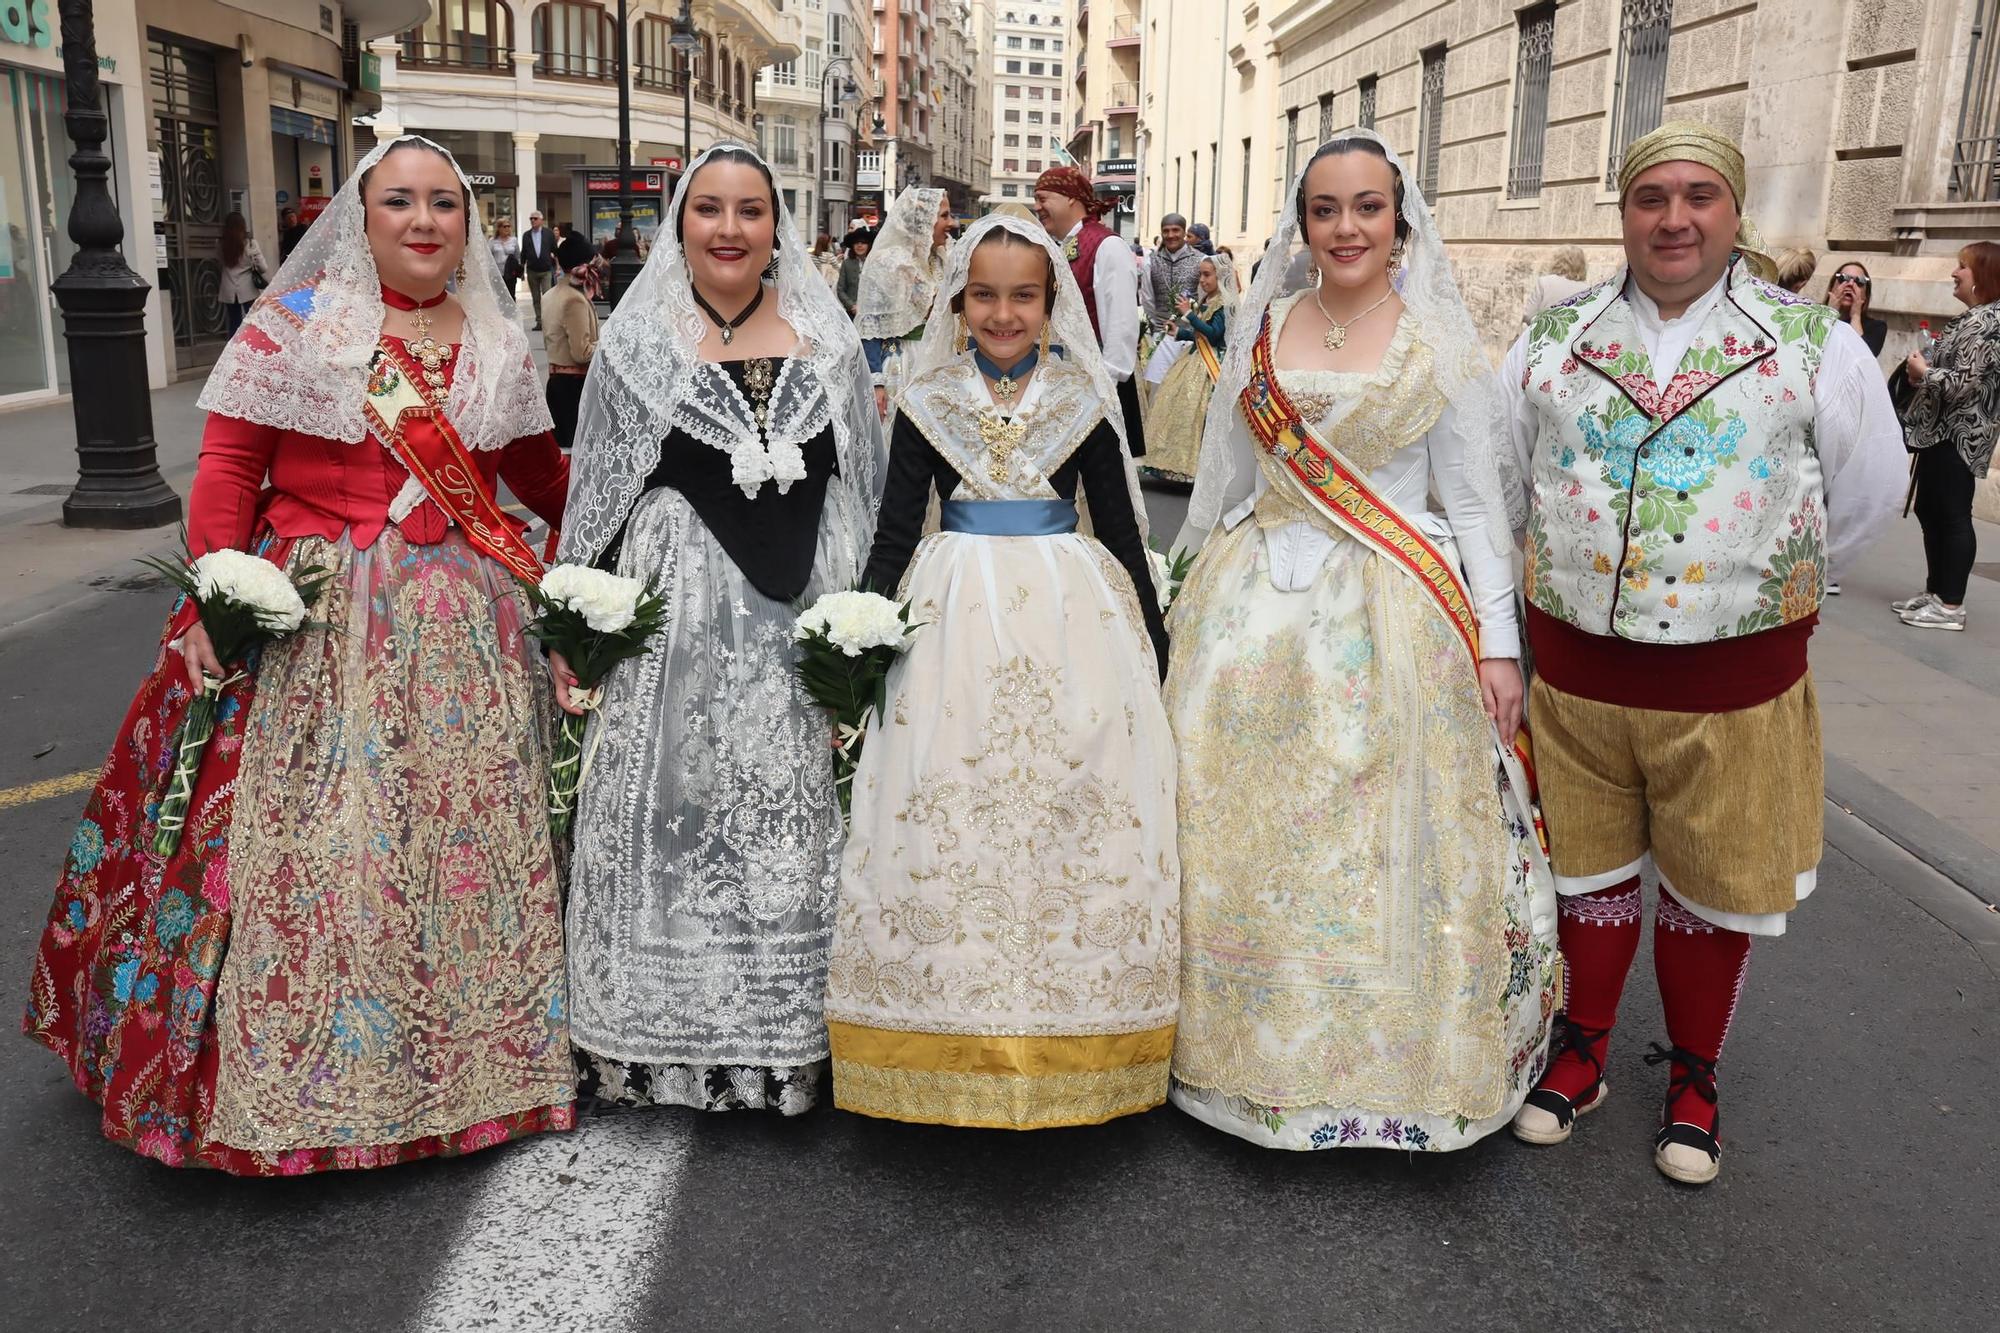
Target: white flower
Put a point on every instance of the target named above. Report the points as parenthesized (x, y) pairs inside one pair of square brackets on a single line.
[(607, 602), (1163, 578), (854, 622), (253, 582)]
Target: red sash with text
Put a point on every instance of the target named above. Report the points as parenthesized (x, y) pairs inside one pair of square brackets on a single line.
[(415, 428)]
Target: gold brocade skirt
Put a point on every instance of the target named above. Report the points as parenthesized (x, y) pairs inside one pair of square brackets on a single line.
[(1359, 966), (1174, 420), (1006, 949)]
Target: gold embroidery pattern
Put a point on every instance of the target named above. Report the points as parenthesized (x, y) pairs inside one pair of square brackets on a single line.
[(1344, 853), (998, 1101), (396, 968), (1018, 876)]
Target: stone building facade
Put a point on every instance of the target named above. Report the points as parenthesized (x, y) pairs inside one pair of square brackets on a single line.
[(1868, 125)]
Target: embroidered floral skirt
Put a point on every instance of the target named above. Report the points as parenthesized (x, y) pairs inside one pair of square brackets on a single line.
[(1174, 419), (1365, 960), (707, 844), (354, 958), (1006, 949)]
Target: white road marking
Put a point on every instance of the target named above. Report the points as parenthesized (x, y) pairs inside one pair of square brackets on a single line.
[(565, 1229)]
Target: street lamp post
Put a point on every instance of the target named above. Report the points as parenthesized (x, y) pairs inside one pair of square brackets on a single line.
[(849, 95), (625, 261), (688, 44), (103, 304)]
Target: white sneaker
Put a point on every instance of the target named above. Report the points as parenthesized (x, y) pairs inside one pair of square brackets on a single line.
[(1833, 590), (1909, 604), (1935, 615)]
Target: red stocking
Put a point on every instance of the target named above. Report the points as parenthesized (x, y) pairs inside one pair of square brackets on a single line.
[(1700, 968), (1599, 934)]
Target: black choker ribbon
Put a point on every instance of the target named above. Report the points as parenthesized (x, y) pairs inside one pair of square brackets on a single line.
[(728, 326)]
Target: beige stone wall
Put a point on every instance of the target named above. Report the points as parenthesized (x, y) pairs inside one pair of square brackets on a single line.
[(1845, 109)]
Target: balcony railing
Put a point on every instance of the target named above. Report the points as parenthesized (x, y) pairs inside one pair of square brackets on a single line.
[(1123, 97), (659, 78), (575, 65), (1124, 31), (474, 57)]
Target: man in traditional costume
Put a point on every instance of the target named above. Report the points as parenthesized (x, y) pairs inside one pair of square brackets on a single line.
[(1108, 274), (1678, 545)]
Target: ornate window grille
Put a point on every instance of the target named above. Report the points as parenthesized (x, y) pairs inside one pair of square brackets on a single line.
[(1366, 118), (1531, 101), (1325, 117), (1640, 95), (1291, 147), (1975, 154), (1432, 121)]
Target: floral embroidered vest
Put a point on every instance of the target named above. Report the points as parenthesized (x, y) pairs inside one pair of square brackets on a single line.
[(1687, 511)]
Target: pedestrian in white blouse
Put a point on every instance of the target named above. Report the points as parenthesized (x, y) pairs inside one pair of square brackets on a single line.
[(1108, 273)]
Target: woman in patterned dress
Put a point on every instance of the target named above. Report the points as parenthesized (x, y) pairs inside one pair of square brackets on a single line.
[(1004, 953), (1367, 919), (727, 453), (354, 956)]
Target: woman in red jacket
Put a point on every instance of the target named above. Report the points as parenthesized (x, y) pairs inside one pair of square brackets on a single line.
[(354, 957)]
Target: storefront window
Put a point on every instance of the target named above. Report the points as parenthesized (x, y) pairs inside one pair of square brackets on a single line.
[(26, 353)]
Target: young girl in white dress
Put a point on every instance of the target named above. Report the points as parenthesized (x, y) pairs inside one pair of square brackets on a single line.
[(1006, 946)]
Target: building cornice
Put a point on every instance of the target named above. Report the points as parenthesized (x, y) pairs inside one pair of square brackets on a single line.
[(1302, 18)]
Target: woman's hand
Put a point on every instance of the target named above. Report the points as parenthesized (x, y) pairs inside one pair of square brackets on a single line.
[(1916, 367), (1501, 692), (1183, 304), (199, 654), (881, 402), (565, 681)]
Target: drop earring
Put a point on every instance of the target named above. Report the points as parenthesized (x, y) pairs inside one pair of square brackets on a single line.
[(1042, 349), (1396, 252), (461, 273), (964, 333)]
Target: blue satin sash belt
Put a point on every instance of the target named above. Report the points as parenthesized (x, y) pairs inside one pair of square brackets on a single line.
[(1008, 518)]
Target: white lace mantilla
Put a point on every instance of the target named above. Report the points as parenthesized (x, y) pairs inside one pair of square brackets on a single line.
[(300, 361)]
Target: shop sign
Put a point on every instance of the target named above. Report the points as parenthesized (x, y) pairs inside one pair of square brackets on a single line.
[(315, 99), (670, 163), (311, 206), (370, 72), (1118, 166), (607, 182), (26, 23), (868, 178), (480, 180)]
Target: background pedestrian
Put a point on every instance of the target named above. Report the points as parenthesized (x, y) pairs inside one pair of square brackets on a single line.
[(244, 272)]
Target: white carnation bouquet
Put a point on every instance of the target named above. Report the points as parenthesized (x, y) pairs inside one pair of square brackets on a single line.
[(847, 643), (1169, 573), (244, 602), (596, 620)]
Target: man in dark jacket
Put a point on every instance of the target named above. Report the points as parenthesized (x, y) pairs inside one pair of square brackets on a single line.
[(538, 261)]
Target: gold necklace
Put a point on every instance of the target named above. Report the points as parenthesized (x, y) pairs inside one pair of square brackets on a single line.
[(1336, 332), (431, 354)]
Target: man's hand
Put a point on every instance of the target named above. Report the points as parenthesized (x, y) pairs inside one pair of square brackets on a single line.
[(1501, 691)]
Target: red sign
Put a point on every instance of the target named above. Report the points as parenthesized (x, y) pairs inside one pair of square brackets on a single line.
[(670, 163), (312, 206), (641, 181)]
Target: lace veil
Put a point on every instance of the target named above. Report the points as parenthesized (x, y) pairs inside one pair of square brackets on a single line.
[(896, 278), (648, 378), (300, 361), (1227, 468), (1069, 329)]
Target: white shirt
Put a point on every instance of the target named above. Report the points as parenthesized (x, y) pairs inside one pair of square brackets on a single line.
[(1115, 272), (1855, 431)]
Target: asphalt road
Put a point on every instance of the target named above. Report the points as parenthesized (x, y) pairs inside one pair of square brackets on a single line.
[(1858, 1193)]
